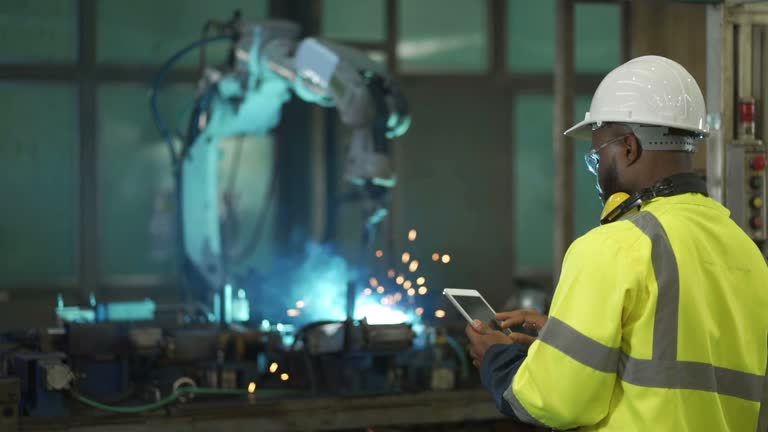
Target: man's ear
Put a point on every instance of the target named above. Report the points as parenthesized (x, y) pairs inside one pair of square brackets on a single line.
[(632, 150)]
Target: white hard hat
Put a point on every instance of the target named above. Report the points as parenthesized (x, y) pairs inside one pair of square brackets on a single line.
[(649, 90)]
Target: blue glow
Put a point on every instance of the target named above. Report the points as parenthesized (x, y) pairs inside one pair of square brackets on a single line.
[(217, 307), (130, 311), (75, 314), (227, 303), (316, 276), (312, 287)]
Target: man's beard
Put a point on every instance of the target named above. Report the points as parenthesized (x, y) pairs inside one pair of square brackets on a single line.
[(610, 183)]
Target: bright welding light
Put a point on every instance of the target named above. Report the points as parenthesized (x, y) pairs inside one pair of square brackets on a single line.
[(440, 313), (380, 290), (406, 257), (251, 387), (400, 279), (273, 367), (407, 284), (379, 253), (398, 297), (419, 310), (300, 304), (435, 256), (421, 280), (284, 376), (422, 290), (391, 273), (367, 291), (411, 292), (373, 282), (379, 314), (412, 235), (446, 258), (413, 266), (293, 312)]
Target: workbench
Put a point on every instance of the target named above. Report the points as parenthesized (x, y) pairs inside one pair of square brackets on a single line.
[(296, 414)]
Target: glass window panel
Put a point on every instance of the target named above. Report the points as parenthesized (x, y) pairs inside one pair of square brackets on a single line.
[(533, 171), (598, 37), (378, 56), (136, 201), (38, 170), (150, 31), (453, 40), (531, 35), (354, 20), (39, 30), (534, 182)]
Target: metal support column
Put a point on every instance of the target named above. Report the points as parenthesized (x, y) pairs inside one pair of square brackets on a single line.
[(563, 148)]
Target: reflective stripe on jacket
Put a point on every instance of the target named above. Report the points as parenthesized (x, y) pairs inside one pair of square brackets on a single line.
[(659, 323)]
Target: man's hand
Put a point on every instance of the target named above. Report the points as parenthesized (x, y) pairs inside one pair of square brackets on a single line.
[(530, 319), (481, 337)]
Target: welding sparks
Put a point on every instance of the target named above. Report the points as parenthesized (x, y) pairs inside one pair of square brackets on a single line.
[(293, 312), (419, 310), (391, 273), (398, 297), (273, 367), (373, 282), (422, 290), (379, 253), (411, 292), (300, 304), (435, 257), (284, 377), (367, 291), (440, 313), (407, 284), (421, 280), (446, 259), (251, 387), (406, 257), (412, 235), (380, 290), (400, 279), (413, 266)]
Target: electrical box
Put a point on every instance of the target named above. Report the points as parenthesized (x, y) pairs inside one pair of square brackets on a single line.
[(746, 188)]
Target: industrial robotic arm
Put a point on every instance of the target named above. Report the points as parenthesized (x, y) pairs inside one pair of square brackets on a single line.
[(267, 64)]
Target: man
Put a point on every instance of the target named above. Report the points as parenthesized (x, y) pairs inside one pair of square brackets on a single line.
[(660, 319)]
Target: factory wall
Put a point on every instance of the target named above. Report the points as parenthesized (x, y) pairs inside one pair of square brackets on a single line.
[(475, 170)]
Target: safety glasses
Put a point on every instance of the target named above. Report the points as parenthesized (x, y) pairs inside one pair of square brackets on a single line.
[(592, 158)]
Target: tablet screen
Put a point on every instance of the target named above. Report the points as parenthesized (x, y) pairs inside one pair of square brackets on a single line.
[(476, 308)]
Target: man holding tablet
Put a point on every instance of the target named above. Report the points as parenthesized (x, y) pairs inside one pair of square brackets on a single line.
[(659, 321)]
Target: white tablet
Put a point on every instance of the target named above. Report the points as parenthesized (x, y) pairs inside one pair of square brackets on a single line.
[(473, 306)]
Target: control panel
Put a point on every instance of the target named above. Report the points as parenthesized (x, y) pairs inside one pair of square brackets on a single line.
[(746, 188)]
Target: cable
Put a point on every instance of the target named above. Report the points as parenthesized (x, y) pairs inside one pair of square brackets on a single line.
[(460, 353), (158, 81), (160, 403)]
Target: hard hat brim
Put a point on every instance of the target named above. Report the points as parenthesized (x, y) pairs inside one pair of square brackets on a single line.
[(581, 130)]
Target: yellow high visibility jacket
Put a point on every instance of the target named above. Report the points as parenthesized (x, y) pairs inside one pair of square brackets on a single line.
[(659, 323)]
